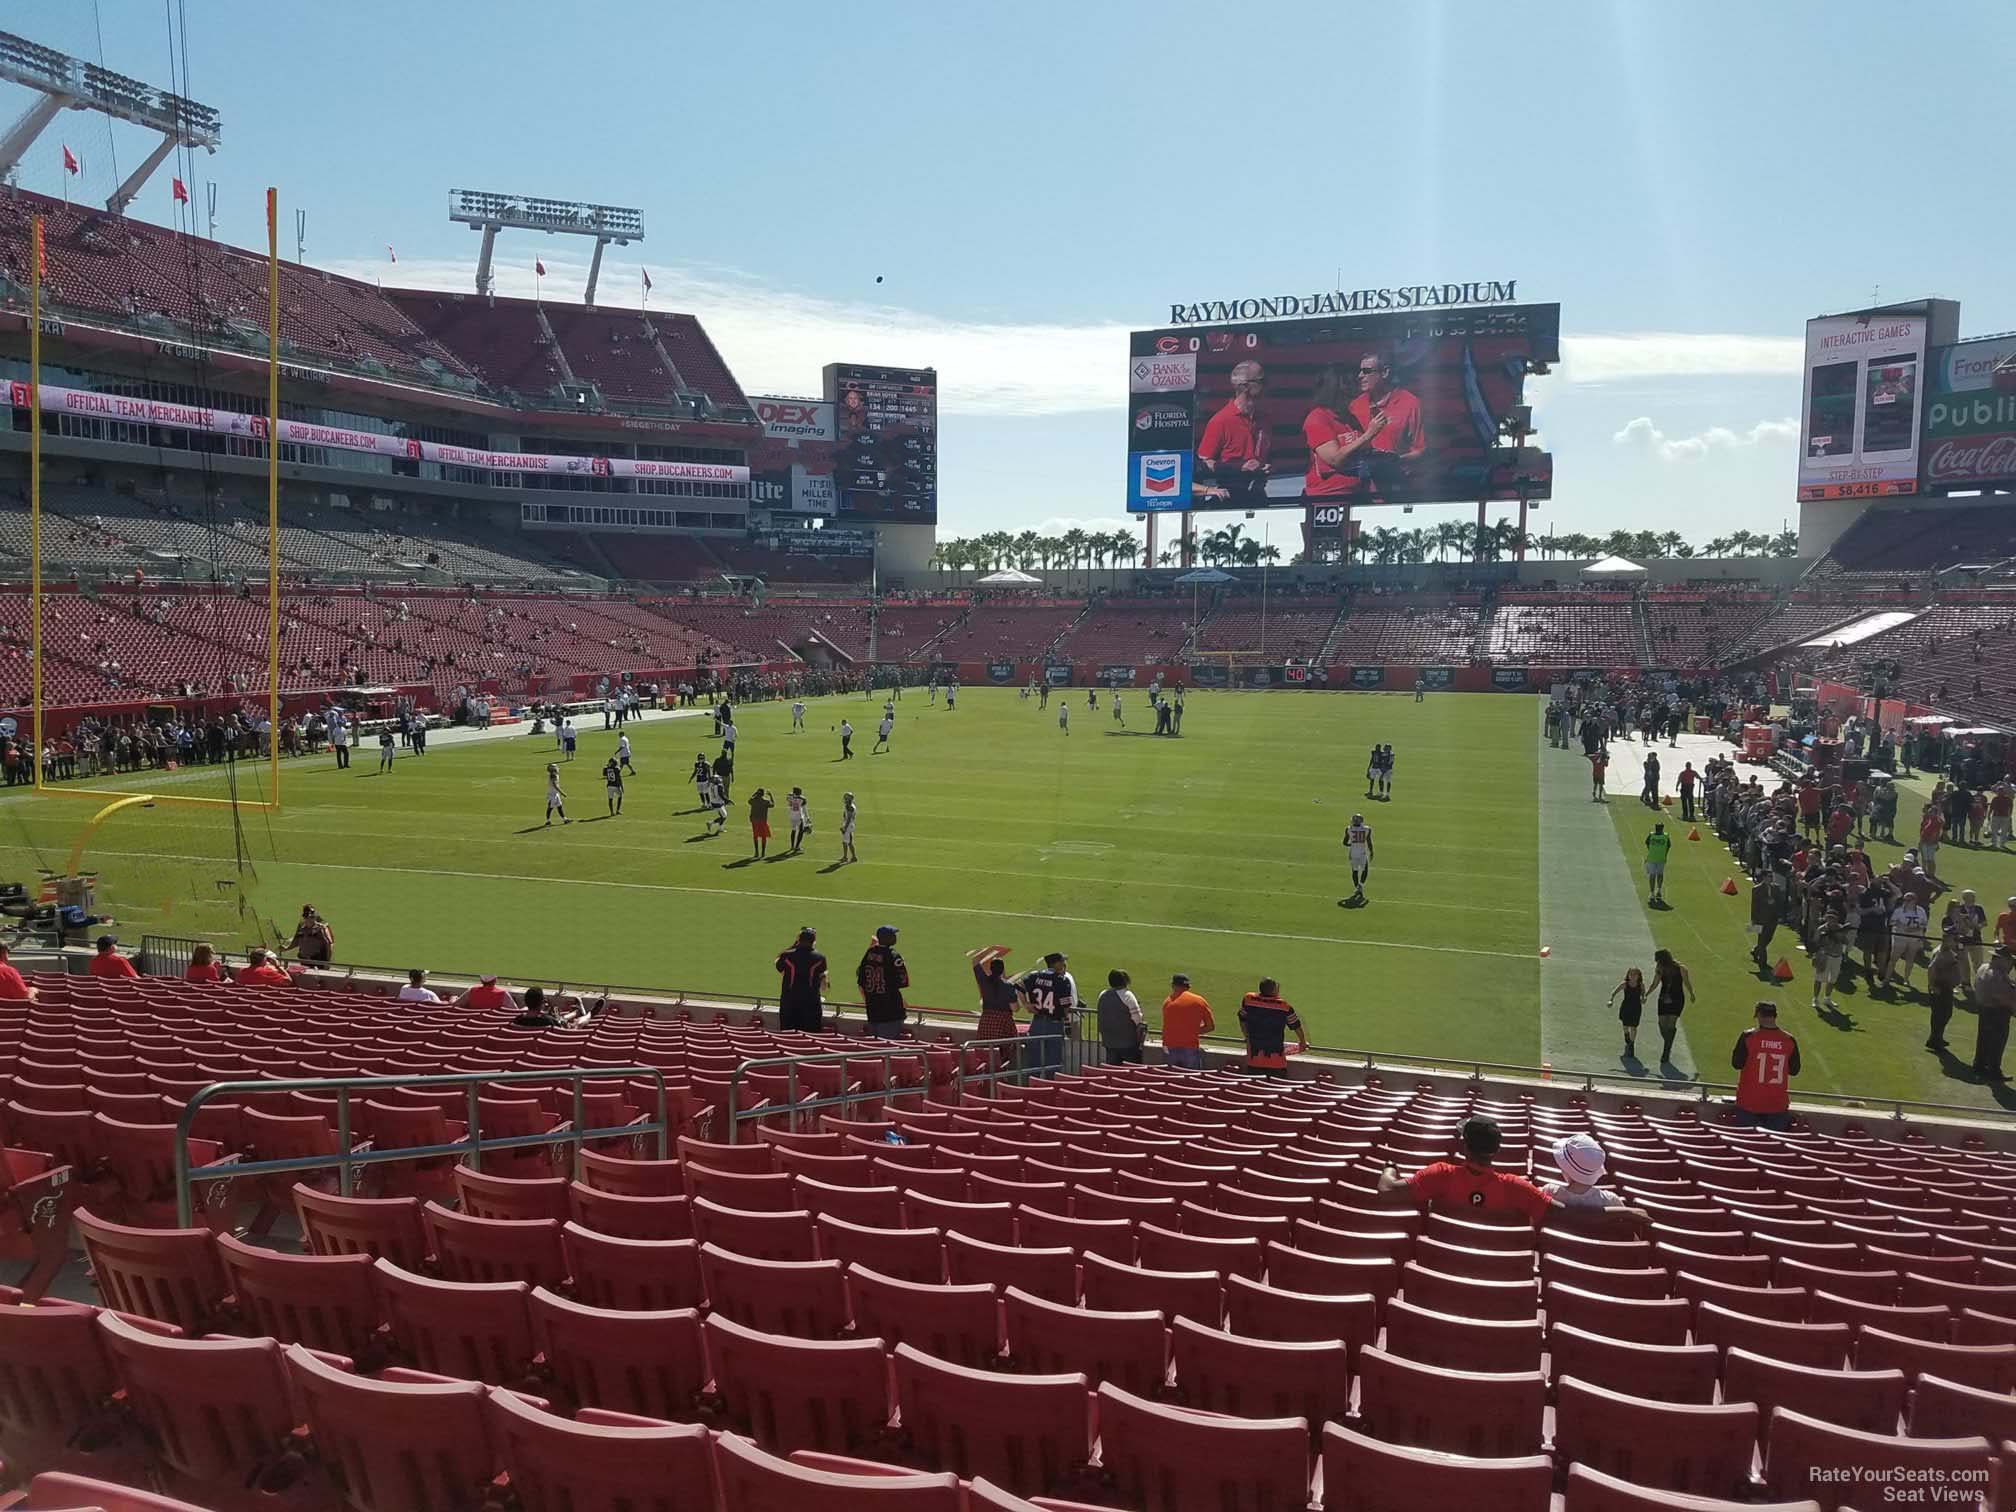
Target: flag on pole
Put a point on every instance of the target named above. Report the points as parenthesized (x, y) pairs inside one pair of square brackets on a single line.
[(70, 163), (538, 268), (180, 191), (390, 253), (647, 279)]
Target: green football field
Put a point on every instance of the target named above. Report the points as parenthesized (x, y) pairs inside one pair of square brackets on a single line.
[(1218, 854)]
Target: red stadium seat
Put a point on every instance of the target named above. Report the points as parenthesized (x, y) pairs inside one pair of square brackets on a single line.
[(1646, 1284), (1642, 1322), (1930, 1323), (600, 1462), (385, 1228), (806, 1299), (1174, 1459), (327, 1302), (869, 1206), (957, 1323), (76, 1493), (1947, 1409), (1432, 1338), (911, 1254), (652, 1364), (1242, 1377), (1484, 1415), (1130, 1349), (1786, 1304), (1670, 1446), (1593, 1491), (485, 1196), (1256, 1310), (990, 1222), (1470, 1299), (801, 1394), (1162, 1249), (741, 1190), (1837, 1466), (391, 1445), (1361, 1474), (1991, 1367), (784, 1235), (1048, 1273), (1111, 1237), (1823, 1346), (635, 1178), (496, 1249), (628, 1217), (753, 1481), (1027, 1433), (472, 1332), (1660, 1372), (170, 1275), (1869, 1400), (56, 1395), (651, 1275), (744, 1159)]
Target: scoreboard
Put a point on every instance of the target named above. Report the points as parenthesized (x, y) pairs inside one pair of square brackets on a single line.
[(885, 464)]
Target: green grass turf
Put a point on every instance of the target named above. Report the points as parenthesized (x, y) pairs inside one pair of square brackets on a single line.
[(1872, 1046), (1217, 854)]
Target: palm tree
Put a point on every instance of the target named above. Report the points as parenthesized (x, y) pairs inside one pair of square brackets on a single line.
[(1671, 544), (1511, 539), (1448, 537), (1126, 548), (1073, 542), (1025, 550), (1417, 546), (1785, 544)]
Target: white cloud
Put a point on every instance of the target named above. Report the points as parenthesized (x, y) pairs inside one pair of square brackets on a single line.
[(775, 340), (1638, 355), (1058, 524), (1644, 433)]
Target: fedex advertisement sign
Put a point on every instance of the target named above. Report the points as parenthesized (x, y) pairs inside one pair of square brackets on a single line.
[(1158, 480), (795, 419)]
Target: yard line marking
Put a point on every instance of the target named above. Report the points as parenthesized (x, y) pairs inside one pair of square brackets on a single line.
[(876, 903)]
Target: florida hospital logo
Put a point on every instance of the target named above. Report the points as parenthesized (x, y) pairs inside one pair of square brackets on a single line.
[(1158, 474)]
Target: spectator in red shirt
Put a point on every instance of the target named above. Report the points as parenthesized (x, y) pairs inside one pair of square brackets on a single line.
[(1766, 1058), (1391, 418), (1233, 450), (1931, 830), (1471, 1183), (108, 962), (486, 995), (1332, 436), (14, 987), (202, 965), (260, 970)]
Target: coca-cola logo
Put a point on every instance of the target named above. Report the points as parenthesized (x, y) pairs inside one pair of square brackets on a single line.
[(1972, 459)]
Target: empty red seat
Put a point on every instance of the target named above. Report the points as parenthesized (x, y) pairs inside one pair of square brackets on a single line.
[(1992, 1367), (1670, 1446), (636, 1178), (496, 1249), (1175, 1459), (628, 1217), (1661, 1372), (1642, 1321), (170, 1275), (806, 1299), (913, 1254), (1111, 1237), (1114, 1287), (393, 1445), (486, 1196), (56, 1391), (788, 1394), (741, 1190), (1129, 1349), (600, 1460), (1027, 1433), (647, 1274), (1048, 1273), (476, 1332), (1362, 1474), (1327, 1276), (1482, 1414), (1256, 1310), (385, 1228), (753, 1481), (1162, 1249), (57, 1492), (869, 1206), (744, 1159), (1787, 1304), (650, 1363), (1593, 1491), (327, 1302), (957, 1323), (786, 1235), (1948, 1409), (1822, 1345), (1805, 1457), (1871, 1400), (1467, 1298), (1432, 1338)]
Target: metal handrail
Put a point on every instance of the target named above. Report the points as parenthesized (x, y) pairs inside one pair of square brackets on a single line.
[(885, 1051), (345, 1160)]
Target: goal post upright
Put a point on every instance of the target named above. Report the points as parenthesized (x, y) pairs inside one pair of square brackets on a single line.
[(273, 495), (35, 258)]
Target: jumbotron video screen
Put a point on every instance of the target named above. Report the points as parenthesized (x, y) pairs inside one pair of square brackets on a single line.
[(885, 464), (1390, 408)]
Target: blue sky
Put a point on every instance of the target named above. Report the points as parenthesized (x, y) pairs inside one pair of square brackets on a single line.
[(1030, 180)]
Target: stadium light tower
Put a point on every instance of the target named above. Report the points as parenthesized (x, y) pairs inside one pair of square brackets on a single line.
[(491, 213), (67, 83)]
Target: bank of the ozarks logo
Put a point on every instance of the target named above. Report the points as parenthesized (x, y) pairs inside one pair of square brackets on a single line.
[(1158, 473)]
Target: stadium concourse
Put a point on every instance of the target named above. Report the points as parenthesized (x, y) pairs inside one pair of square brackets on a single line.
[(1130, 1287)]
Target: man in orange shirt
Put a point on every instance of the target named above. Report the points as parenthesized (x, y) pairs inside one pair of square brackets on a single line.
[(108, 962), (1185, 1018), (14, 987), (1766, 1058), (1391, 418), (486, 995), (1233, 450), (2005, 925), (1471, 1183), (260, 971)]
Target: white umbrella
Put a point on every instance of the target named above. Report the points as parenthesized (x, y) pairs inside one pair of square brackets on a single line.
[(1008, 578)]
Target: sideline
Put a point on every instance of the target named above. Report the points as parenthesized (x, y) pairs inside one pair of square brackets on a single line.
[(1591, 918)]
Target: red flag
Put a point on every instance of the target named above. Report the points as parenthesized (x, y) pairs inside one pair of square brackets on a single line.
[(69, 160), (538, 267), (181, 191), (390, 253)]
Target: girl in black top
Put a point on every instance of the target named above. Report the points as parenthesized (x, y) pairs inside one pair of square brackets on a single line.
[(1631, 1008), (1675, 989)]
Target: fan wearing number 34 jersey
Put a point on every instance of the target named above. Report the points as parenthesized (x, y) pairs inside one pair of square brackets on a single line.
[(1766, 1058)]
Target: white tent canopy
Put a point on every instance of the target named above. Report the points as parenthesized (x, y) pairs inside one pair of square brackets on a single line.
[(1008, 578), (1613, 567)]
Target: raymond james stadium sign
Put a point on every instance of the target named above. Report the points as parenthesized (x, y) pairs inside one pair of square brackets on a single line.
[(1345, 302)]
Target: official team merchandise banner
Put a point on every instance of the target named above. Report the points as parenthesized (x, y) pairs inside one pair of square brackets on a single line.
[(131, 411), (1859, 431), (1438, 677), (1970, 416), (1368, 678), (1001, 671), (1510, 679), (1402, 407)]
